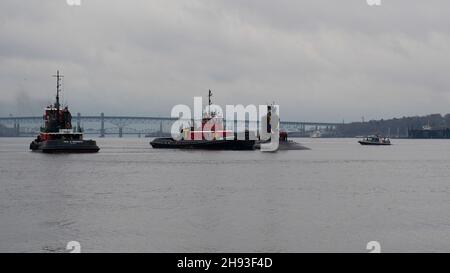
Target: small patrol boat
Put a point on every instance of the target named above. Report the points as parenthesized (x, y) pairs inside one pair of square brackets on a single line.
[(375, 140), (57, 134)]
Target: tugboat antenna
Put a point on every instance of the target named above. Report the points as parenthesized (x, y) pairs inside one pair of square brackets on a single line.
[(58, 87)]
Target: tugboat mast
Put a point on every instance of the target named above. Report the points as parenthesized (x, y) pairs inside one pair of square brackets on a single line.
[(58, 88), (209, 102)]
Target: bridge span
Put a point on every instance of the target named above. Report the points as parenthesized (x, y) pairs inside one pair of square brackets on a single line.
[(147, 125)]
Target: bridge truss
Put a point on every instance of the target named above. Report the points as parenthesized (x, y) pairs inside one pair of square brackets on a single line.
[(119, 125)]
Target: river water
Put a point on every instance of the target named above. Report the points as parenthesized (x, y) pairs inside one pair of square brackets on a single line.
[(129, 197)]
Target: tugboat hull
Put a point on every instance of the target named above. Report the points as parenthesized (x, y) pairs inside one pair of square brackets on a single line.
[(170, 143), (61, 146)]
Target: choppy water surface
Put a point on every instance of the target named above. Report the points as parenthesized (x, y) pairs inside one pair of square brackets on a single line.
[(129, 197)]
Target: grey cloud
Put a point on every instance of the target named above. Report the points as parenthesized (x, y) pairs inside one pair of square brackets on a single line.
[(324, 60)]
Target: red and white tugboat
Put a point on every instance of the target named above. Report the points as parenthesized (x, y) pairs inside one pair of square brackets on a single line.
[(211, 136), (57, 134)]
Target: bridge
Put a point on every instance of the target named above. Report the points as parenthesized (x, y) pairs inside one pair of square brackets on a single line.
[(137, 125)]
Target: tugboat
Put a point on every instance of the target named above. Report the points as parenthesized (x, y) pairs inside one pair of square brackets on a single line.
[(57, 134), (212, 126), (375, 140)]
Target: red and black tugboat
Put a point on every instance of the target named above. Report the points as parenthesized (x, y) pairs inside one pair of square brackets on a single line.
[(211, 136), (57, 134)]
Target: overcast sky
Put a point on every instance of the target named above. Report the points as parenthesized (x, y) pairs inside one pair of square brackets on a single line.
[(321, 60)]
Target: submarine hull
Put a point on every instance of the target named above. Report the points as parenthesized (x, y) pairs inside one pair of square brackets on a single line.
[(285, 145)]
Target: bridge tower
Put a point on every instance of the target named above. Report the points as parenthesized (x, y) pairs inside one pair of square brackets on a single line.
[(78, 122), (16, 128), (102, 125)]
